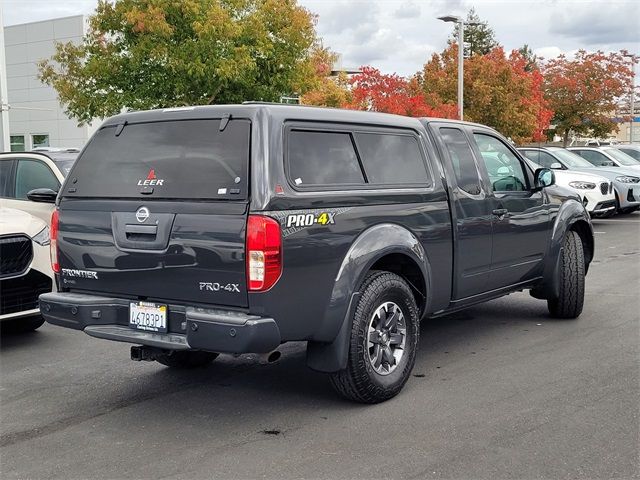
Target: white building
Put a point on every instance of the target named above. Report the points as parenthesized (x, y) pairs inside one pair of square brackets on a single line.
[(36, 117)]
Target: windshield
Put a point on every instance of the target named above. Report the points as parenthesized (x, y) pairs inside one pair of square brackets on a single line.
[(631, 152), (571, 160), (183, 159), (622, 157), (64, 166)]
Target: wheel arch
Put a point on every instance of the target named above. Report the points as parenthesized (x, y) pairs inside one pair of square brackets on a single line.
[(389, 247)]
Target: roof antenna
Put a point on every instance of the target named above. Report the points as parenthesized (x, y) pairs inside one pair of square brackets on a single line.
[(224, 121)]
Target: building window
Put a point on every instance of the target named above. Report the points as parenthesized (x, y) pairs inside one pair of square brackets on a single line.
[(39, 140), (17, 143)]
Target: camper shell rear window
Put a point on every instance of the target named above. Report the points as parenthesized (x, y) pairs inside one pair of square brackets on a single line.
[(181, 159)]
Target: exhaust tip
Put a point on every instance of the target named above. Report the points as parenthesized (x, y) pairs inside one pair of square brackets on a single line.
[(266, 358), (274, 356)]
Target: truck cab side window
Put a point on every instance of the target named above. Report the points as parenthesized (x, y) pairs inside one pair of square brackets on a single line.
[(463, 163), (503, 166)]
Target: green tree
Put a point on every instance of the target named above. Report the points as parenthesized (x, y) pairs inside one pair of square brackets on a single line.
[(479, 38), (142, 54), (530, 57)]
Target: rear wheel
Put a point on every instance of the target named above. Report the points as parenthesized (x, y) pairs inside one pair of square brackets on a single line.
[(384, 338), (186, 359), (571, 279)]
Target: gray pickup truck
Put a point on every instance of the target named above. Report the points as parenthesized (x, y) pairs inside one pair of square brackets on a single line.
[(194, 231)]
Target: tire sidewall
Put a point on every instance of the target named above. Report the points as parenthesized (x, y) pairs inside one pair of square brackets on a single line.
[(398, 293)]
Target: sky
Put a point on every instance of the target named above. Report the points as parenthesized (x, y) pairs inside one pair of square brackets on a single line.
[(400, 35)]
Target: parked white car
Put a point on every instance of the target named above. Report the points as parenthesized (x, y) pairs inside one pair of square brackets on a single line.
[(606, 157), (25, 269), (29, 181), (596, 192)]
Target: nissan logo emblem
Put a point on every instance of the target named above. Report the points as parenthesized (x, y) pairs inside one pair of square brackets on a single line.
[(142, 214)]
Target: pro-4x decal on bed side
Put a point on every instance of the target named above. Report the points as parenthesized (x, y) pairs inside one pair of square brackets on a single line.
[(293, 221)]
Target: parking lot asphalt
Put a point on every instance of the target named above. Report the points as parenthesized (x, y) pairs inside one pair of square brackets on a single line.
[(499, 391)]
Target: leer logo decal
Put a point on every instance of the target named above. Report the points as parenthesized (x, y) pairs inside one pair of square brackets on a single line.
[(150, 180)]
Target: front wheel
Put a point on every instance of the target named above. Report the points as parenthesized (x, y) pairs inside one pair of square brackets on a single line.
[(384, 339), (186, 359), (628, 210), (571, 279)]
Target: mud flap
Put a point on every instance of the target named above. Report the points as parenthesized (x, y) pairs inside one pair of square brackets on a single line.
[(332, 357), (550, 287)]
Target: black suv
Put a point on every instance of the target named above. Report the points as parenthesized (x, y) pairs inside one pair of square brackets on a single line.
[(200, 230)]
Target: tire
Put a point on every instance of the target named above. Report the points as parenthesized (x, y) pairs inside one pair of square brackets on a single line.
[(385, 296), (22, 325), (628, 210), (618, 209), (186, 359), (572, 272)]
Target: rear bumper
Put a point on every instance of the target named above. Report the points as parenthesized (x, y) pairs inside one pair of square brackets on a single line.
[(214, 330)]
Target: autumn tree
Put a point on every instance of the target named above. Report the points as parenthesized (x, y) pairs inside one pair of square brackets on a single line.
[(479, 37), (141, 54), (326, 87), (584, 91), (498, 91), (391, 93)]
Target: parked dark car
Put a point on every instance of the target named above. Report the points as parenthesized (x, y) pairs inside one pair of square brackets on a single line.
[(233, 229)]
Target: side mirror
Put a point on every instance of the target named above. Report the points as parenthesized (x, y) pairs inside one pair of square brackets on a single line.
[(543, 177), (42, 195), (556, 166)]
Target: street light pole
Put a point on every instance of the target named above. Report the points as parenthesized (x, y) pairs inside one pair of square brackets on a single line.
[(633, 99), (460, 23), (460, 69)]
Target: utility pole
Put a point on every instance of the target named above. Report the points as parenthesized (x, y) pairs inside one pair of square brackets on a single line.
[(5, 144)]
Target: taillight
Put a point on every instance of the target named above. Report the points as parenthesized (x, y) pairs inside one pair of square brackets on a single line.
[(53, 246), (264, 252)]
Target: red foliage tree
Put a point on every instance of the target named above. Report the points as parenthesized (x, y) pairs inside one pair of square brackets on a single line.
[(391, 93), (584, 91)]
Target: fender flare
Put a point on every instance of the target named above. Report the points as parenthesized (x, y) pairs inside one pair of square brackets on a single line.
[(569, 214), (329, 349)]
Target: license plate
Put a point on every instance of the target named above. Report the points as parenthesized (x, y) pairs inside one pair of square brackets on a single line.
[(147, 316)]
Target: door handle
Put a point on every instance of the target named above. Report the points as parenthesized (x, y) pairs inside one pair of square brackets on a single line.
[(141, 229), (500, 212)]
